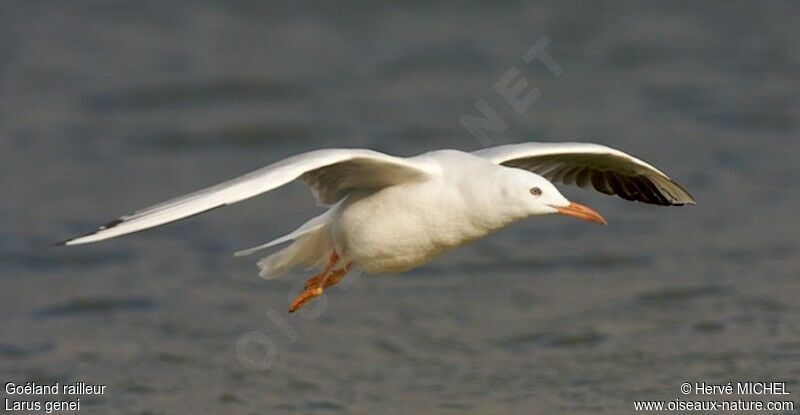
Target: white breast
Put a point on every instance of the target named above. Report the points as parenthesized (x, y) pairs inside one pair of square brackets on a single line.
[(402, 227)]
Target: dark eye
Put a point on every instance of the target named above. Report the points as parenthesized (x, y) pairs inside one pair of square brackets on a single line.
[(536, 191)]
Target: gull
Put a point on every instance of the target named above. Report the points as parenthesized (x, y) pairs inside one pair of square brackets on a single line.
[(388, 214)]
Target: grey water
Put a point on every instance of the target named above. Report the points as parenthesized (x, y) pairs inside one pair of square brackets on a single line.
[(107, 107)]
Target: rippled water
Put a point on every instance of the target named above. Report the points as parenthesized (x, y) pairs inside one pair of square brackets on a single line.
[(110, 106)]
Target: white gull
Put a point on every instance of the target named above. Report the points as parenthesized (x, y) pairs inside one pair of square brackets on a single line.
[(391, 214)]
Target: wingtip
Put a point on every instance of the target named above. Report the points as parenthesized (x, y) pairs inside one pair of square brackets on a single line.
[(70, 241), (687, 200), (76, 240)]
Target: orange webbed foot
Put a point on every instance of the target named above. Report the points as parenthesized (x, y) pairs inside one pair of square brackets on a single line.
[(307, 295), (315, 285)]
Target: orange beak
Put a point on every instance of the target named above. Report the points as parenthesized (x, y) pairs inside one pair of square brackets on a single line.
[(579, 211)]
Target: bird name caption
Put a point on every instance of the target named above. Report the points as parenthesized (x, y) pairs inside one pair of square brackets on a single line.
[(47, 398)]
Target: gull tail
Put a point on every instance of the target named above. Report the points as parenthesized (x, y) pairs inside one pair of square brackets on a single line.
[(311, 246)]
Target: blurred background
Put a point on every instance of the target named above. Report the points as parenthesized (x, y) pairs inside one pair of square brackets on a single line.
[(106, 107)]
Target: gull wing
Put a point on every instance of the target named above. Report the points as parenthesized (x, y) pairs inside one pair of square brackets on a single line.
[(331, 173), (609, 171)]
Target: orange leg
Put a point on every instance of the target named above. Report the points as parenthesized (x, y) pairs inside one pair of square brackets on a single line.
[(317, 284), (328, 268), (336, 276)]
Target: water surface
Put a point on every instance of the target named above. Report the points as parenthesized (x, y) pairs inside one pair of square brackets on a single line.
[(106, 107)]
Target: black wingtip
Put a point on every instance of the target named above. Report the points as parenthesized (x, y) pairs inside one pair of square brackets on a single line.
[(112, 224), (67, 241), (108, 225)]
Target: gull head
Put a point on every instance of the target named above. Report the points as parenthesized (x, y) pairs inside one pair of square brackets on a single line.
[(532, 195)]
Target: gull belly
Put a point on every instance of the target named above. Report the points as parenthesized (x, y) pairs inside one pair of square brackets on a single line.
[(402, 227)]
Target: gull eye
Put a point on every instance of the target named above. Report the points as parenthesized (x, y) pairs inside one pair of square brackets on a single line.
[(536, 191)]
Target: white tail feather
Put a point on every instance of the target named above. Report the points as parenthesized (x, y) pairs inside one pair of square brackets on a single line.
[(309, 250), (311, 247)]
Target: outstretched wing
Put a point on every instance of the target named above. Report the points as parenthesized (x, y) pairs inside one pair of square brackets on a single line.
[(607, 170), (331, 173)]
